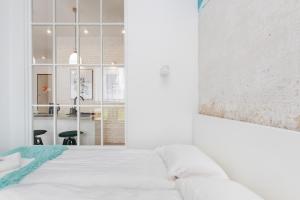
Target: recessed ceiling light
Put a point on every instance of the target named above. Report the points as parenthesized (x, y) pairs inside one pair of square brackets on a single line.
[(43, 57), (85, 31), (49, 31), (113, 63), (123, 31)]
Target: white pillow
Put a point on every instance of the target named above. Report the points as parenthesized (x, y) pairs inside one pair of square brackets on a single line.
[(187, 160), (24, 162), (200, 188), (10, 162)]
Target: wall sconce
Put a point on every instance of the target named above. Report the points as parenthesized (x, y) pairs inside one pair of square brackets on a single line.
[(164, 70)]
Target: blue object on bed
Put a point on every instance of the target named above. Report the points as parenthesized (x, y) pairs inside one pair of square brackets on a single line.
[(200, 3), (40, 154)]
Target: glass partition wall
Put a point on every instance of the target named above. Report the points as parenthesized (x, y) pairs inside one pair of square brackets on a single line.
[(78, 78)]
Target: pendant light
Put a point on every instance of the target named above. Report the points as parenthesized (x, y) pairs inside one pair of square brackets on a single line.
[(73, 59)]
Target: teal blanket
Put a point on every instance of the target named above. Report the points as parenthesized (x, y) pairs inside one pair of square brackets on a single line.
[(41, 154)]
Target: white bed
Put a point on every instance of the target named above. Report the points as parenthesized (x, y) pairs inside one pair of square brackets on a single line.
[(109, 168), (93, 174), (63, 192), (97, 174)]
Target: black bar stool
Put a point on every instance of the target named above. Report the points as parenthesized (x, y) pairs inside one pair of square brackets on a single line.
[(69, 137), (38, 140)]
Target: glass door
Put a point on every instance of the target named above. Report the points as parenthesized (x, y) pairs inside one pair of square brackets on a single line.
[(78, 79)]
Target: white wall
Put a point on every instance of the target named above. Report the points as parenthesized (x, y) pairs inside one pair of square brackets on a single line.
[(263, 158), (18, 90), (12, 76), (249, 70), (4, 79), (161, 32), (249, 61)]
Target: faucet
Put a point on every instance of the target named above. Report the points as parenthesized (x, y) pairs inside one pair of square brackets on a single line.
[(73, 110), (75, 100)]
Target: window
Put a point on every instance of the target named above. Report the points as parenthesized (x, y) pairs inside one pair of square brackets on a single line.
[(78, 79)]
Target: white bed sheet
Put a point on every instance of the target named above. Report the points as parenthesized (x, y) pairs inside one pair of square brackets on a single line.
[(63, 192), (142, 169), (81, 174)]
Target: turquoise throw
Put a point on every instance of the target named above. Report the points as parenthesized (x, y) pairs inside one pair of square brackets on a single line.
[(200, 3), (41, 154)]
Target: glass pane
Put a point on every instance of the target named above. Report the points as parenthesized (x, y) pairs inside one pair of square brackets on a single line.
[(113, 45), (65, 11), (42, 125), (67, 126), (90, 44), (66, 85), (91, 85), (89, 11), (114, 125), (42, 85), (113, 84), (90, 125), (113, 11), (42, 11), (65, 44), (42, 45)]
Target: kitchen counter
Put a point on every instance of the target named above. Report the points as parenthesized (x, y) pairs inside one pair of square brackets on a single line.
[(90, 127), (66, 117)]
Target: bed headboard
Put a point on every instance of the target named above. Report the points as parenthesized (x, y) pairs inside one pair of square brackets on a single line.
[(265, 159)]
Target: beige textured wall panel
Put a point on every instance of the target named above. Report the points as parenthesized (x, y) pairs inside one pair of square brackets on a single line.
[(249, 56)]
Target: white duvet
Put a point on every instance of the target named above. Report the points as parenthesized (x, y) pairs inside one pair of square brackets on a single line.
[(68, 192), (97, 174)]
